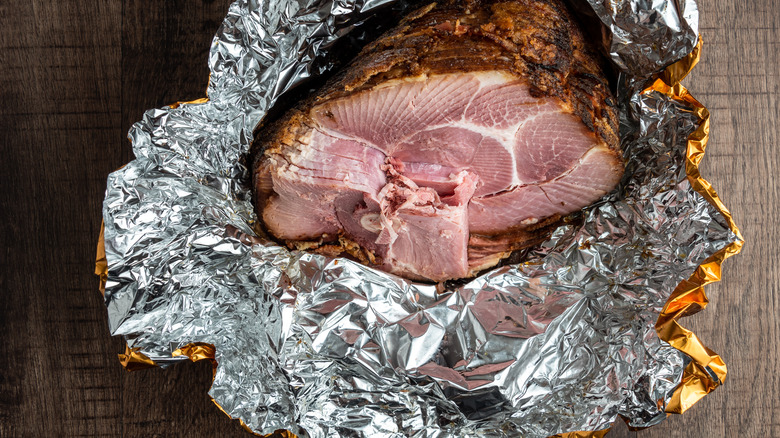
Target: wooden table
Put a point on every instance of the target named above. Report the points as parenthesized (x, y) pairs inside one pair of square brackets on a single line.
[(75, 74)]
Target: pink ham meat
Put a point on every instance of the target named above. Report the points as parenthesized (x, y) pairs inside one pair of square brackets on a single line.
[(436, 174)]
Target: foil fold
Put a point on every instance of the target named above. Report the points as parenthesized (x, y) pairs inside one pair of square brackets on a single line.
[(566, 341)]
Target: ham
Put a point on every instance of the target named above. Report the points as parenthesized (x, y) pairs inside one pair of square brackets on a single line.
[(460, 136)]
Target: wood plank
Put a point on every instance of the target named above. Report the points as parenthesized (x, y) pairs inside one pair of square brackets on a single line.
[(165, 46), (59, 79), (74, 76)]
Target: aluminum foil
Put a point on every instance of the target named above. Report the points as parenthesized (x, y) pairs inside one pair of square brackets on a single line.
[(642, 37), (326, 347)]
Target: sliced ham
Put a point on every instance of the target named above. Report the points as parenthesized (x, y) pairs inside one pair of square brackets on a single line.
[(459, 137)]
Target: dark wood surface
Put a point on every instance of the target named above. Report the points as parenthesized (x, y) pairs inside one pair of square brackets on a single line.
[(75, 74)]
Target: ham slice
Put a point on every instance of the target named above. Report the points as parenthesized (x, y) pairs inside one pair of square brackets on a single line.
[(459, 137)]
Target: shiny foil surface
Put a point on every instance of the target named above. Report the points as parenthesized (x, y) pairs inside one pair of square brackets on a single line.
[(642, 37), (326, 347)]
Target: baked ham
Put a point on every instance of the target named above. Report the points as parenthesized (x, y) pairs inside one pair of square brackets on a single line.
[(460, 136)]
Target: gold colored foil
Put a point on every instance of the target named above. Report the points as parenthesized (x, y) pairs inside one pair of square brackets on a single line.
[(706, 371), (196, 101), (134, 360), (101, 265), (198, 351), (582, 434)]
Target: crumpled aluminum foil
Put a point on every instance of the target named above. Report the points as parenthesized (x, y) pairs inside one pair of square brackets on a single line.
[(327, 347), (642, 37)]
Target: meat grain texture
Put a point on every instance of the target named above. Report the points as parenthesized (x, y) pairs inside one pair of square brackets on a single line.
[(458, 137)]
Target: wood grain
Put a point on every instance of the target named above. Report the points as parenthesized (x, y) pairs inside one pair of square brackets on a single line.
[(75, 74)]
